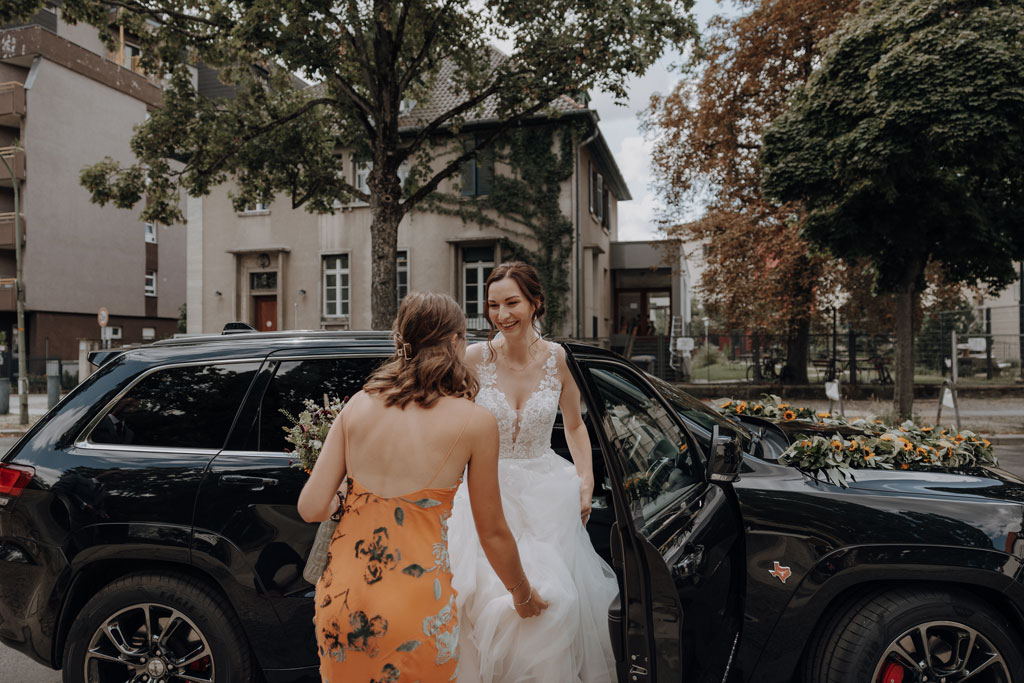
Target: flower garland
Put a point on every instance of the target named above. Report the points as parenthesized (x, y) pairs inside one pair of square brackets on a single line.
[(866, 444), (309, 430)]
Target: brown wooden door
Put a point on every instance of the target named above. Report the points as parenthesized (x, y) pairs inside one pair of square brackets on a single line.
[(266, 313)]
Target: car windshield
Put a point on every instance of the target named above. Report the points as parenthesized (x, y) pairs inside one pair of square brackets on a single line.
[(700, 417)]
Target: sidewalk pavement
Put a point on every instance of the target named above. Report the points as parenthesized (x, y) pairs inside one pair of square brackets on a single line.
[(10, 423)]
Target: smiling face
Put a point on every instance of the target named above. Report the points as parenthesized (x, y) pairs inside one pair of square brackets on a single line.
[(509, 309)]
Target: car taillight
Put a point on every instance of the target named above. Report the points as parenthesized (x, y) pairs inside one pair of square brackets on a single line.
[(14, 479)]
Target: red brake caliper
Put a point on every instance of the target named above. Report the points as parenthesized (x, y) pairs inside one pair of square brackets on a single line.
[(892, 673)]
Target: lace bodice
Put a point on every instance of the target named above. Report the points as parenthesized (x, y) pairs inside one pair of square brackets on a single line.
[(527, 433)]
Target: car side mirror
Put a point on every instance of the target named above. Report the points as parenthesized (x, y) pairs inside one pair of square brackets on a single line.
[(724, 458)]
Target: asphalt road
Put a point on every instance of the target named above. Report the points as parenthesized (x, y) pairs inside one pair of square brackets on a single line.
[(15, 666)]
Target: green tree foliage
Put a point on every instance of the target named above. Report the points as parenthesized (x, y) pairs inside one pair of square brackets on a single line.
[(758, 273), (907, 146), (526, 203), (367, 57)]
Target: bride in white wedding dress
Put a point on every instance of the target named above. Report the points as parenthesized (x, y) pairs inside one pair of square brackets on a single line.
[(546, 500)]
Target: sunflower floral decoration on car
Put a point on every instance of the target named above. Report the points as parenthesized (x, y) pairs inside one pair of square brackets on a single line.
[(309, 428), (866, 444)]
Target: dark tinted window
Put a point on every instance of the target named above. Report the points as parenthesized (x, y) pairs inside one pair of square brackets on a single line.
[(656, 454), (296, 380), (185, 407)]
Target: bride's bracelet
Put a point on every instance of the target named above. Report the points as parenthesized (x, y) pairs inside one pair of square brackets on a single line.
[(521, 582), (520, 604)]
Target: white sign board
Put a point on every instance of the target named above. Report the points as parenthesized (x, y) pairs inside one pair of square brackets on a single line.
[(976, 344), (685, 344), (947, 398)]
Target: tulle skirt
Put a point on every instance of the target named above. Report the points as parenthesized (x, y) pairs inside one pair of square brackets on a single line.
[(569, 641)]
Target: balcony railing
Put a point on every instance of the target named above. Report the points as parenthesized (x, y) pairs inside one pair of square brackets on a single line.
[(15, 158), (7, 230), (12, 103), (8, 294), (133, 63)]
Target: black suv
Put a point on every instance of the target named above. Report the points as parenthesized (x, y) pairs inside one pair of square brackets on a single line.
[(148, 532)]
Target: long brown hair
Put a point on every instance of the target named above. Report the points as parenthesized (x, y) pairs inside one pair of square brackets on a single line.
[(526, 278), (426, 365)]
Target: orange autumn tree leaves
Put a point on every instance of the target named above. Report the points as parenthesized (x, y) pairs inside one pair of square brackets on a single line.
[(759, 273)]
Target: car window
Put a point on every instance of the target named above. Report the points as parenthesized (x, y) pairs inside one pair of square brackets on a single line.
[(293, 382), (698, 416), (659, 461), (181, 407)]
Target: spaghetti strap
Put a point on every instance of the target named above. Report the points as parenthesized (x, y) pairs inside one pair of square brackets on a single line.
[(451, 449)]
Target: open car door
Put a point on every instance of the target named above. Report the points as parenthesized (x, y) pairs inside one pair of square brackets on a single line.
[(676, 542)]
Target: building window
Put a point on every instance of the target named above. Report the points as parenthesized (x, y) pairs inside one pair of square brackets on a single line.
[(132, 55), (115, 332), (605, 205), (361, 174), (258, 207), (148, 333), (150, 283), (336, 285), (477, 264), (598, 201), (478, 172), (151, 233), (265, 280), (403, 274)]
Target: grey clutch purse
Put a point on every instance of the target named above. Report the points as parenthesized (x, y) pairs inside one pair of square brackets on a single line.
[(317, 560)]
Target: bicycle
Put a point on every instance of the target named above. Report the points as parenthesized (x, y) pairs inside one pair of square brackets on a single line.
[(769, 371)]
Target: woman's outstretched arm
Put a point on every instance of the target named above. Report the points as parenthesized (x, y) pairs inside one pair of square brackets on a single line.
[(485, 499)]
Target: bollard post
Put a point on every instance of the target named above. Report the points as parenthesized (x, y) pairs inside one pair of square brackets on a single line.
[(947, 396), (834, 392), (5, 395), (52, 383)]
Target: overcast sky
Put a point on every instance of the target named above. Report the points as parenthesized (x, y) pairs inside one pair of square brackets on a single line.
[(621, 128)]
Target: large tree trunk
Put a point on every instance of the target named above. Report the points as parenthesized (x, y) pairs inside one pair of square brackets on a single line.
[(387, 214), (903, 391), (797, 343)]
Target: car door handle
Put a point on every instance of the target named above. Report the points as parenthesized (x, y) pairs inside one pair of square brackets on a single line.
[(255, 483), (690, 564)]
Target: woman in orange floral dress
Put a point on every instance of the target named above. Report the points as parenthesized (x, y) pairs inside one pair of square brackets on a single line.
[(385, 607)]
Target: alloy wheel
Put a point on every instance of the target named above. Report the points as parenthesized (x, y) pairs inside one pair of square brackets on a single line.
[(149, 643), (941, 652)]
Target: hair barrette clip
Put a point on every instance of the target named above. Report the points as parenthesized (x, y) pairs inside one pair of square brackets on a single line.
[(405, 351)]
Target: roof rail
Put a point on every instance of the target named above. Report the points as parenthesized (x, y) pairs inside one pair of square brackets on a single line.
[(237, 328)]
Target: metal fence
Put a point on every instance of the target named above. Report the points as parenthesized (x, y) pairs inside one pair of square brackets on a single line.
[(37, 367), (987, 345)]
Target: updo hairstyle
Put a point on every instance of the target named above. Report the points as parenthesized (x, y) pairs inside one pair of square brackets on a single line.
[(426, 365)]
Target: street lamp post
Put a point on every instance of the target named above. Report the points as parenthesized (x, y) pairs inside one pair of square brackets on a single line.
[(707, 348), (20, 293)]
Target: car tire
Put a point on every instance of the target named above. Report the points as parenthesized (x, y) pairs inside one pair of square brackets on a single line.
[(185, 618), (856, 645)]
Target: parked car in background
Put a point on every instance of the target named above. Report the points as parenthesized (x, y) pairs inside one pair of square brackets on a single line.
[(148, 528)]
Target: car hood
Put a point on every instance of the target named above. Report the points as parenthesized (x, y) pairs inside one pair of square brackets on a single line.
[(978, 482)]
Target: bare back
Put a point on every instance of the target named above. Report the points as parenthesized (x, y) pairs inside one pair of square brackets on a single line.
[(395, 451)]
